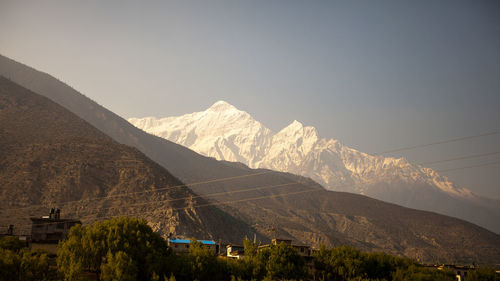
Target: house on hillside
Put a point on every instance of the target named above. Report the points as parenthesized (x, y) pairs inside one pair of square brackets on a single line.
[(47, 231), (182, 245), (9, 232), (461, 271), (303, 250), (235, 251)]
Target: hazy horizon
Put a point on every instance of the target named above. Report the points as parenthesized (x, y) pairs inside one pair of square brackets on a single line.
[(376, 76)]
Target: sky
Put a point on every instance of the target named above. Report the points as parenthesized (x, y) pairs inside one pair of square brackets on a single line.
[(376, 75)]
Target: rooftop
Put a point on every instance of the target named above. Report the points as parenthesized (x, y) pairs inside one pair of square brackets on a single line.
[(186, 241), (53, 220)]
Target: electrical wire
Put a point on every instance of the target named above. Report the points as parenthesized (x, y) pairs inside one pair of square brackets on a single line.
[(311, 189), (197, 206), (144, 191), (460, 158), (436, 143), (240, 191), (218, 193), (468, 167)]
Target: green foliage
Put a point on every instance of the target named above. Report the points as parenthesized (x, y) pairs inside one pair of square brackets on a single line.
[(284, 262), (347, 263), (25, 265), (258, 263), (482, 274), (118, 267), (127, 249), (203, 261), (9, 265), (87, 248), (253, 266), (417, 273), (250, 248), (269, 263), (200, 263), (35, 265), (11, 243), (340, 263)]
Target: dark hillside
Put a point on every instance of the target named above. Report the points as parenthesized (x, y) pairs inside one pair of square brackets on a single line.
[(48, 155)]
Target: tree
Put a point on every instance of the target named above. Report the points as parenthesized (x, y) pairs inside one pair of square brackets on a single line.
[(482, 274), (416, 273), (17, 262), (250, 248), (340, 263), (34, 265), (203, 261), (9, 265), (89, 248), (118, 267), (26, 265), (12, 243), (348, 263), (284, 262)]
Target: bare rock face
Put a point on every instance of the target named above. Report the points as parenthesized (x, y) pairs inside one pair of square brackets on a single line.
[(226, 133)]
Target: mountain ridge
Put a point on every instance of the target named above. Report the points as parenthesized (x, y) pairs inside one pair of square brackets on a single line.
[(294, 207), (234, 135), (51, 157)]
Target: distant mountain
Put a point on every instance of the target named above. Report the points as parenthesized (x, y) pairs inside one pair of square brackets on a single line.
[(49, 155), (283, 204), (226, 133)]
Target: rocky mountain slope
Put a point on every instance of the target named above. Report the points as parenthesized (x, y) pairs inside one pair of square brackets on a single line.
[(49, 156), (282, 204), (226, 133)]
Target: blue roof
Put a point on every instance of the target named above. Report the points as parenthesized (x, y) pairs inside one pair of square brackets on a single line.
[(186, 241)]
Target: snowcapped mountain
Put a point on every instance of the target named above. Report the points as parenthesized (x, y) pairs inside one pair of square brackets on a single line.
[(222, 132), (226, 133)]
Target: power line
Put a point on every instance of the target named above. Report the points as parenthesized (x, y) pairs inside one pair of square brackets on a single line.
[(199, 205), (228, 192), (460, 158), (260, 173), (249, 199), (147, 191), (205, 195), (166, 200), (232, 201), (467, 167), (249, 189), (438, 142)]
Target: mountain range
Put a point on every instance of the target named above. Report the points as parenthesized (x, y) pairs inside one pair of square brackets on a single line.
[(251, 201), (226, 133)]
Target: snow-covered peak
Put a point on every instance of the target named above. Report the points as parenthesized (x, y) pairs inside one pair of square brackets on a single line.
[(294, 125), (227, 133), (221, 106), (297, 131)]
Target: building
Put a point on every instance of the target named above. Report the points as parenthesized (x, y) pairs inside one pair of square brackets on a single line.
[(47, 231), (10, 233), (235, 251), (303, 250), (182, 245), (461, 271)]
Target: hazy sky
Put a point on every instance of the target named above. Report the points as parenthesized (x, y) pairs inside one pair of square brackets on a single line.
[(376, 75)]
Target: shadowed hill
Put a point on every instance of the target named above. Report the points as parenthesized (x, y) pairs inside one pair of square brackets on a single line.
[(281, 204), (48, 155)]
